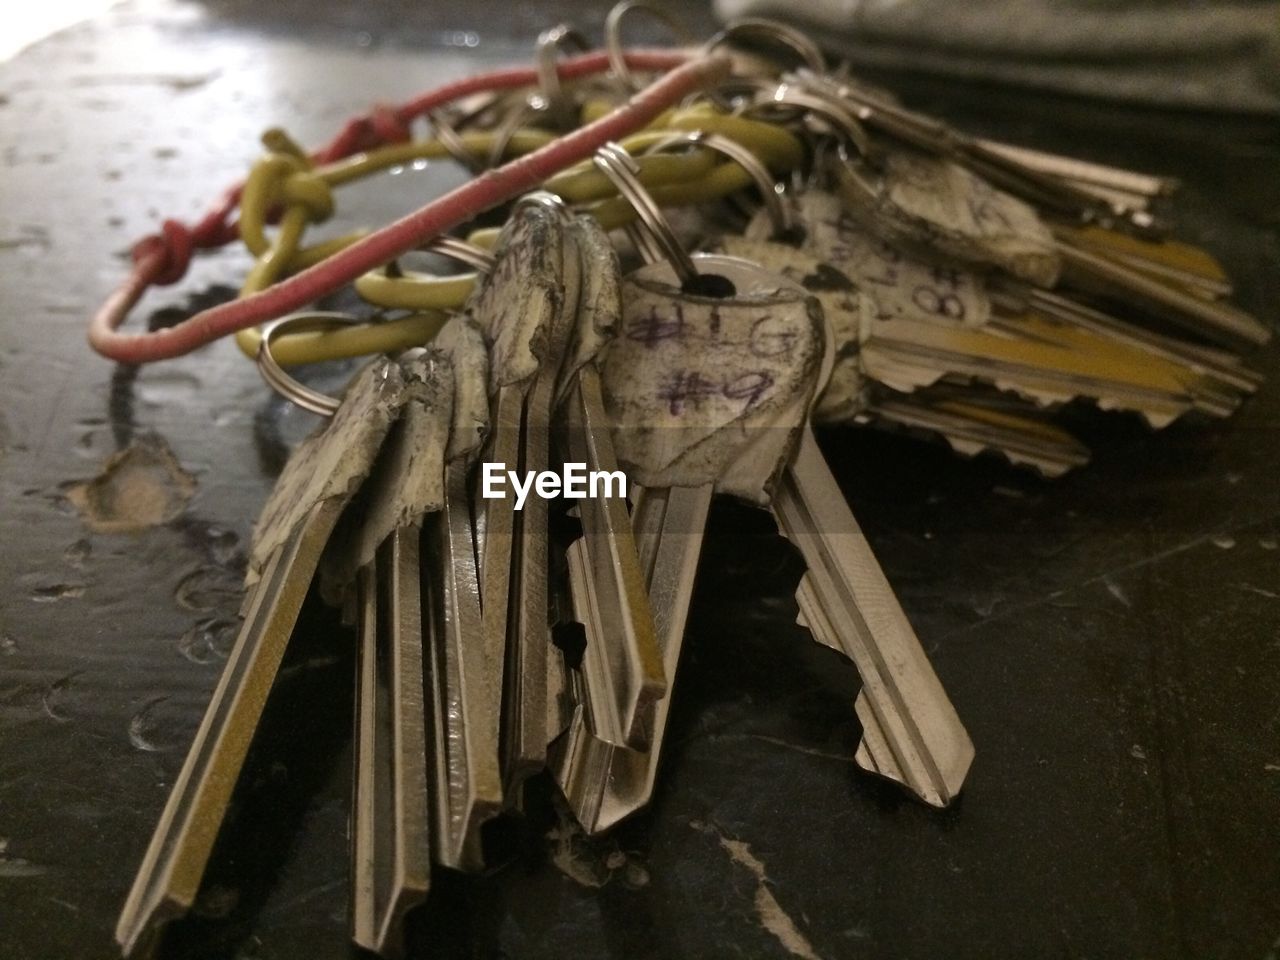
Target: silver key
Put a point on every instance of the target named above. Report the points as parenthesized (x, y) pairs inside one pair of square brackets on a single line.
[(911, 732), (623, 675), (674, 338), (465, 687), (603, 783)]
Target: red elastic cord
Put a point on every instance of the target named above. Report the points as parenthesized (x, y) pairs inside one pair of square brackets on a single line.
[(164, 258)]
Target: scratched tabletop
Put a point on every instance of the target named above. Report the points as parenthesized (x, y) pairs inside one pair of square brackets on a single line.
[(1111, 640)]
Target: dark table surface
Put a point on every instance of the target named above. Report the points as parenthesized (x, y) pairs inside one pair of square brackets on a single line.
[(1112, 640)]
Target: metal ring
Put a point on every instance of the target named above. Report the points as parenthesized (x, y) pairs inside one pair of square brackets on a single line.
[(449, 138), (643, 242), (613, 38), (779, 212), (789, 37), (505, 130), (826, 108), (753, 96), (544, 198), (621, 168), (460, 250), (281, 382), (550, 92)]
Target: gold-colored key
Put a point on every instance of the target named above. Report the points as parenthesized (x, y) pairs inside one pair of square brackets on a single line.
[(391, 861), (292, 533)]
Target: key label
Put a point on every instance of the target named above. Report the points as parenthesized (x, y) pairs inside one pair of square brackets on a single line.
[(574, 482)]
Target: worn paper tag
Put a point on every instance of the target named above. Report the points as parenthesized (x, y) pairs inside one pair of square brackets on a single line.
[(407, 479), (599, 296), (894, 284), (333, 461), (517, 299), (845, 393), (462, 343), (704, 389), (935, 203)]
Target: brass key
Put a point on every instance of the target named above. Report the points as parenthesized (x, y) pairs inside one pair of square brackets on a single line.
[(295, 536)]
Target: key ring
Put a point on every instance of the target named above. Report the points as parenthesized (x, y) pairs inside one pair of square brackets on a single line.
[(780, 213), (827, 109), (759, 27), (781, 35), (620, 167), (282, 383), (551, 97), (613, 38), (465, 253), (451, 140)]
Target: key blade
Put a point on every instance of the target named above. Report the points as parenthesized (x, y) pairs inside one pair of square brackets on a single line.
[(392, 811), (912, 732), (528, 629), (971, 428), (604, 784), (622, 663), (1217, 321), (466, 691), (169, 877)]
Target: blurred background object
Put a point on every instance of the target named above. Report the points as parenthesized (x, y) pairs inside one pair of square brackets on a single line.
[(1208, 56)]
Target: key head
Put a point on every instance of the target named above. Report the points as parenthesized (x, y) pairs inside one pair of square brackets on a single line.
[(712, 389)]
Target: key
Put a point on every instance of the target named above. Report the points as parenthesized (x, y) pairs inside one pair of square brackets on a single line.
[(525, 307), (604, 783), (391, 848), (465, 687), (914, 343), (911, 732), (1216, 364), (904, 209), (1169, 260), (1129, 183), (291, 535), (670, 343), (922, 202), (1030, 182), (970, 426), (1220, 322), (622, 665), (895, 283), (465, 677), (904, 354), (391, 863)]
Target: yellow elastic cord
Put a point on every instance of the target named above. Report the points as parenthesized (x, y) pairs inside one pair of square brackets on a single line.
[(388, 336), (415, 291), (777, 147), (725, 179), (478, 144), (286, 178)]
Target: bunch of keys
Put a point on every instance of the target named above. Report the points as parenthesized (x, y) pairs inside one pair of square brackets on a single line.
[(907, 277)]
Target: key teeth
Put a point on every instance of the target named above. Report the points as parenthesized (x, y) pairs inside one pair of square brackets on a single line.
[(874, 756)]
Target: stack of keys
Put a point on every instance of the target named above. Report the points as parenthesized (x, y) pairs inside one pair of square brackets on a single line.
[(461, 692), (915, 286), (976, 352)]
